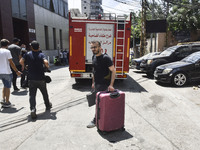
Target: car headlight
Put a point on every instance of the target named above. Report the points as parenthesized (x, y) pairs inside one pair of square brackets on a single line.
[(149, 61), (166, 71)]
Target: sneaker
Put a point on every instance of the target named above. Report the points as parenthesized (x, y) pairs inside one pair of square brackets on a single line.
[(33, 114), (6, 104), (3, 101), (91, 124), (49, 107)]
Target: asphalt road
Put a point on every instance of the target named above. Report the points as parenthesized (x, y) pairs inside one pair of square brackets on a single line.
[(157, 117)]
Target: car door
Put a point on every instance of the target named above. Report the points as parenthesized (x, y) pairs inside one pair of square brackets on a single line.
[(196, 74), (195, 48)]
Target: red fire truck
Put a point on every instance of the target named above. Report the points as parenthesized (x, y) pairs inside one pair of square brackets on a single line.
[(114, 34)]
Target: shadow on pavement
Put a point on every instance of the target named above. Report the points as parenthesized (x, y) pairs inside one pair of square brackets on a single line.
[(10, 110), (126, 85), (20, 93), (43, 116), (116, 136)]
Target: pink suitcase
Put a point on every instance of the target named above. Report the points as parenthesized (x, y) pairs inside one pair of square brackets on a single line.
[(110, 110)]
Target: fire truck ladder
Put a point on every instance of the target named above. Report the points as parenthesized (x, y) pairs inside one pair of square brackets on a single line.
[(120, 41)]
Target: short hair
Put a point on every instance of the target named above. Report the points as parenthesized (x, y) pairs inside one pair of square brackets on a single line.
[(35, 45), (15, 40), (97, 42), (4, 42)]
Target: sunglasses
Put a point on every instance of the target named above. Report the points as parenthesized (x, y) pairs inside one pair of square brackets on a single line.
[(93, 47)]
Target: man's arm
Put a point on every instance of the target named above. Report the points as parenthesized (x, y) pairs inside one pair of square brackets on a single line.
[(93, 82), (46, 63), (21, 61), (14, 67), (112, 69)]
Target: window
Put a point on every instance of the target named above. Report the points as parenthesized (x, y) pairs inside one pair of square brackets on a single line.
[(15, 8), (183, 52), (19, 9), (22, 6), (61, 42), (84, 7), (54, 38), (46, 4), (196, 48), (55, 6), (61, 7), (46, 37), (40, 2), (65, 10)]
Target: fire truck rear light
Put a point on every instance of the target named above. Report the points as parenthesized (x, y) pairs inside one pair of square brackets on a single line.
[(122, 76), (75, 75)]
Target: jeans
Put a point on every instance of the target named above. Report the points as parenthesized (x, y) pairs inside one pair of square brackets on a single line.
[(33, 86)]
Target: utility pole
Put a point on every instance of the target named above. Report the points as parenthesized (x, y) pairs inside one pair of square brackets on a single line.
[(167, 23), (143, 29)]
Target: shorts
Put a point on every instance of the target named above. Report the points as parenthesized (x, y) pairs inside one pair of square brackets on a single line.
[(6, 79)]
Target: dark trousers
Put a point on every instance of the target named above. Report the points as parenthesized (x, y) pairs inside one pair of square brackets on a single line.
[(33, 86), (19, 67)]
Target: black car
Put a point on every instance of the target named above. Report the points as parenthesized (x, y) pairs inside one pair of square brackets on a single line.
[(136, 62), (171, 54), (181, 72)]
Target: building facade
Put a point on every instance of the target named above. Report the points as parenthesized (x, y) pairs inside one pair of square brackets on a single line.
[(17, 20), (43, 20), (91, 7)]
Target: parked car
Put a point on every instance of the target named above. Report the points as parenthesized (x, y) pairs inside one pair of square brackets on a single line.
[(136, 62), (181, 72), (171, 54)]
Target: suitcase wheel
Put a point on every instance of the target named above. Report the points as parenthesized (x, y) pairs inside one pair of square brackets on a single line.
[(122, 129), (102, 132)]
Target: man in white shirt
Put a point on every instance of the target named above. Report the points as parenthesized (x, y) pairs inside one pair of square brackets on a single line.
[(5, 71)]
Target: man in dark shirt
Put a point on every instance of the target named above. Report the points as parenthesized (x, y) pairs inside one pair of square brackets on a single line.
[(102, 66), (36, 61), (15, 52)]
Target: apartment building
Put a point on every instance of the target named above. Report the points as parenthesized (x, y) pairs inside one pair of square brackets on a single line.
[(91, 7), (43, 20)]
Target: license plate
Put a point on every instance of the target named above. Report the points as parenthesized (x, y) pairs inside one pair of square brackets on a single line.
[(86, 75)]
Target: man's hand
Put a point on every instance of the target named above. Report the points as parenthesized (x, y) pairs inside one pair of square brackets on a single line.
[(111, 88), (92, 85), (18, 73)]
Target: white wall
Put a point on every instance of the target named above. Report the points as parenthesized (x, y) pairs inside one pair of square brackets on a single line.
[(44, 17)]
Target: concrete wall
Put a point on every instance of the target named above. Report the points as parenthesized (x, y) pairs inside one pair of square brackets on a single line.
[(44, 17)]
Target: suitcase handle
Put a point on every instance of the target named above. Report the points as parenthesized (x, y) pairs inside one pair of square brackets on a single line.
[(115, 94)]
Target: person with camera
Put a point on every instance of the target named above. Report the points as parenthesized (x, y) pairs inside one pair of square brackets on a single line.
[(36, 61)]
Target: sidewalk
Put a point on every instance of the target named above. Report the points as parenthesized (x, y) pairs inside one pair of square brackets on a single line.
[(153, 120)]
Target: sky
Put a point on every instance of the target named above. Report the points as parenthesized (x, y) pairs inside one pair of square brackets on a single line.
[(111, 6)]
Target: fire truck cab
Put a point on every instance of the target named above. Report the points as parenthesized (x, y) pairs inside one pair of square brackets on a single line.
[(112, 31)]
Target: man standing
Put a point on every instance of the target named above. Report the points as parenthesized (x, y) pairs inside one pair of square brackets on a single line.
[(5, 71), (15, 52), (102, 66), (36, 61)]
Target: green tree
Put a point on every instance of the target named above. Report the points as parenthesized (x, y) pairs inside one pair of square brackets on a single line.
[(184, 16)]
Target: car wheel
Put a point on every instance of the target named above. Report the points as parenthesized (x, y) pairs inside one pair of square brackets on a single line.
[(179, 79)]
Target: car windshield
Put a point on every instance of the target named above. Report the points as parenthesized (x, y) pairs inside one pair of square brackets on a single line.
[(169, 51), (192, 58)]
